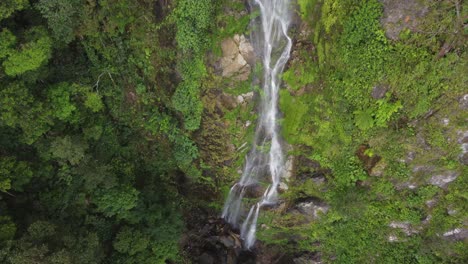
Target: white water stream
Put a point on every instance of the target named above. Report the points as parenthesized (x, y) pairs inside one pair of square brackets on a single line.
[(265, 163)]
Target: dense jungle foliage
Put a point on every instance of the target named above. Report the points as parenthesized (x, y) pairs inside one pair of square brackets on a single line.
[(111, 133), (94, 127)]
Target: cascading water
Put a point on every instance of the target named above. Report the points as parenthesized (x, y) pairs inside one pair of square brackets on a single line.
[(265, 163)]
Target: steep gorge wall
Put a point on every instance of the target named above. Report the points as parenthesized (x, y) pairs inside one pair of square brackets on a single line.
[(375, 109)]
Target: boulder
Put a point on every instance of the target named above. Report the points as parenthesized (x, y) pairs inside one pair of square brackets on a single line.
[(443, 179), (227, 241), (229, 48), (379, 91), (236, 68), (246, 50), (240, 99), (238, 58)]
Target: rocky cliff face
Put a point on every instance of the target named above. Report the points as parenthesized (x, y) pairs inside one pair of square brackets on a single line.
[(389, 191), (238, 58)]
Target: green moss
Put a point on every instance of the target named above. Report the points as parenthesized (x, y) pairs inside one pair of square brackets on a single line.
[(337, 114), (294, 110)]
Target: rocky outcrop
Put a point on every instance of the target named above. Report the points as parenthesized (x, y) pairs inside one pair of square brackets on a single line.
[(311, 208), (464, 102), (457, 234), (245, 98), (215, 242), (225, 101), (399, 15), (463, 141), (238, 58), (379, 91), (443, 179), (405, 227)]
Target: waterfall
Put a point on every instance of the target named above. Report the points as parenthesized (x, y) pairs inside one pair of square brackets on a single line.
[(265, 163)]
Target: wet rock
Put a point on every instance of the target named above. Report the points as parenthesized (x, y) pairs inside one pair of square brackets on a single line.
[(213, 242), (205, 258), (443, 179), (379, 91), (310, 258), (456, 234), (399, 15), (312, 209), (305, 169), (227, 241), (270, 254), (254, 191)]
